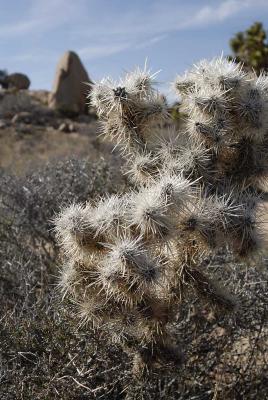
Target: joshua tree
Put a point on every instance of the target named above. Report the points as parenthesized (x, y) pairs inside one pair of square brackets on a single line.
[(130, 259), (251, 48)]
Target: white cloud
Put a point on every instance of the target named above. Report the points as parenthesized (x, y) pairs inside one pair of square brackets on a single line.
[(115, 31), (159, 19), (144, 29), (150, 41), (164, 17), (102, 50), (107, 49), (41, 17), (207, 14), (22, 28)]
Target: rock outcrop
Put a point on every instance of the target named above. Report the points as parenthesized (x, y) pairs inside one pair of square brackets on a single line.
[(69, 90), (18, 81)]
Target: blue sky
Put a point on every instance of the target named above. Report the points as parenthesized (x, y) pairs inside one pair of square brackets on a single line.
[(112, 36)]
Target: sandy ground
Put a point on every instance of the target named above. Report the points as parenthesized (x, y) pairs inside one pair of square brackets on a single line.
[(32, 134), (27, 146)]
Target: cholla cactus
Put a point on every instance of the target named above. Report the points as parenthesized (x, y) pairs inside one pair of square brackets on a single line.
[(132, 258)]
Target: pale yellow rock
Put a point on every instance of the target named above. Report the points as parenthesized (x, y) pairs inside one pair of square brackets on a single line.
[(69, 88)]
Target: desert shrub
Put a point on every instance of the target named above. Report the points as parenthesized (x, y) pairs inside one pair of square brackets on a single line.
[(28, 203), (28, 248), (36, 340), (45, 354), (131, 260), (175, 113)]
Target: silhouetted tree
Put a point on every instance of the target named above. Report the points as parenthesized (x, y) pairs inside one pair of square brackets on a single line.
[(251, 48)]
